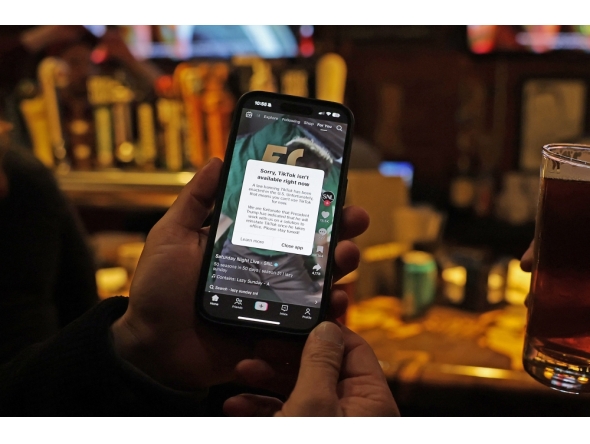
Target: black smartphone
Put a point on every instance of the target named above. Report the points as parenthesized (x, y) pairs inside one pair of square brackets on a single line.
[(268, 261)]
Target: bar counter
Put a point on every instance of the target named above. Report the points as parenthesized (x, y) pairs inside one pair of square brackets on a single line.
[(123, 189), (452, 362)]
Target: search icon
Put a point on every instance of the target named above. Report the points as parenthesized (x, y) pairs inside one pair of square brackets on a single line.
[(339, 127)]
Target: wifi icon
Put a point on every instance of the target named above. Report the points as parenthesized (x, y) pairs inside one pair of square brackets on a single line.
[(328, 112)]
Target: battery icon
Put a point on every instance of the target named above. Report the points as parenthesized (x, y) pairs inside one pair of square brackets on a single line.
[(335, 114)]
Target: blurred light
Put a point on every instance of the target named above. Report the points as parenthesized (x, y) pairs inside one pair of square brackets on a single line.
[(405, 170), (549, 373), (271, 41), (306, 30), (126, 151), (479, 372), (111, 279), (455, 275), (454, 279), (518, 283), (99, 55), (383, 252), (306, 47), (184, 177), (495, 281), (97, 30), (481, 38), (164, 85)]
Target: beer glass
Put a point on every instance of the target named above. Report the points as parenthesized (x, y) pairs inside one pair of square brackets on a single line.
[(557, 343)]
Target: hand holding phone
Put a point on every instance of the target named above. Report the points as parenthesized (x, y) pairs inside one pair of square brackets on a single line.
[(339, 375), (268, 264), (160, 333)]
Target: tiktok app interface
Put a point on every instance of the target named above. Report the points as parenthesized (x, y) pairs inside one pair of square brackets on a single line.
[(272, 242)]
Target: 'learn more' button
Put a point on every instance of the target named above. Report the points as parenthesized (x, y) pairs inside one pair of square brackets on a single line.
[(250, 240)]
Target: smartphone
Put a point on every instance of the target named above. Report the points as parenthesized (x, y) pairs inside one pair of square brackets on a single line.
[(268, 262)]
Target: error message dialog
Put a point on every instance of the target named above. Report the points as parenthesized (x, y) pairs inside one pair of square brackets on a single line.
[(278, 207)]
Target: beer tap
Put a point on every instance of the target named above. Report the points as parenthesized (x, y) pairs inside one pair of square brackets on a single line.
[(169, 110), (99, 96), (331, 78), (218, 105), (294, 82), (146, 127), (262, 78), (52, 73), (124, 147), (35, 116), (189, 84)]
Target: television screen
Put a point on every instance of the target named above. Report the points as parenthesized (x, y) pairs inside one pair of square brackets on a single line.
[(181, 42), (536, 39)]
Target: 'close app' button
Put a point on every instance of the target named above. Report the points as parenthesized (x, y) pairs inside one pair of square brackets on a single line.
[(260, 306)]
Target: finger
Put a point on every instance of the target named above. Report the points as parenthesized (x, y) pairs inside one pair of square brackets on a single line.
[(361, 368), (196, 199), (360, 357), (274, 367), (280, 377), (355, 221), (315, 393), (526, 262), (256, 373), (346, 259), (251, 405), (338, 304), (259, 374)]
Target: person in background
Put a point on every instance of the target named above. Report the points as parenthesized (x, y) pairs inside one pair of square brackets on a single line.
[(23, 47), (46, 267), (21, 50), (150, 354)]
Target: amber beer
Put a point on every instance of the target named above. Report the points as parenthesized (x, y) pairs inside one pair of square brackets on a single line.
[(557, 344)]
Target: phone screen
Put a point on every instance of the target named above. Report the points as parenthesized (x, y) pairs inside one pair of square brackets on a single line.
[(273, 241)]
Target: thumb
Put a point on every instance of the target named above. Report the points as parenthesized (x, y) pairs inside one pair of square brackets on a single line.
[(251, 405), (315, 393), (195, 200)]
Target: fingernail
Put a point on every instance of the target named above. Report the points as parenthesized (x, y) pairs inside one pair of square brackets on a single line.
[(328, 331)]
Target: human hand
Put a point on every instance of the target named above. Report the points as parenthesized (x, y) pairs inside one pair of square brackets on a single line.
[(339, 375), (160, 333), (41, 37), (113, 44), (526, 261)]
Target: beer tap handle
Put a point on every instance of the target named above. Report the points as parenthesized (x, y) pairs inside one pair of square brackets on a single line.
[(331, 78), (52, 73), (189, 82)]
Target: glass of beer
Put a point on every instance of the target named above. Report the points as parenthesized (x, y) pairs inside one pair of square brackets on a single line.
[(557, 343)]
